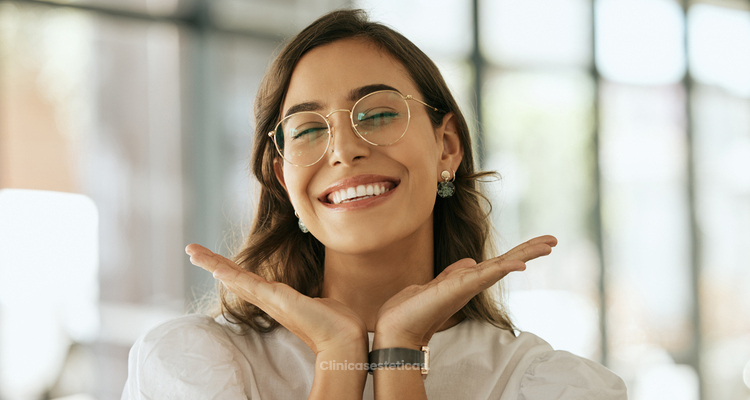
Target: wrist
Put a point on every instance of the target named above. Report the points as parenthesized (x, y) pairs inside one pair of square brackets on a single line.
[(353, 342), (340, 373), (389, 339), (350, 351), (342, 362)]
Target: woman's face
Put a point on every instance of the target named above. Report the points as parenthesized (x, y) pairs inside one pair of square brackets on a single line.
[(325, 80)]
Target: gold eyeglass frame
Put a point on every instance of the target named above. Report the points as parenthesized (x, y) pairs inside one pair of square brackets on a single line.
[(272, 134)]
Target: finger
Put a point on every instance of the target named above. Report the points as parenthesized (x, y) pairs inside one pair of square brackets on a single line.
[(462, 263), (526, 253), (466, 280), (531, 249), (208, 260), (250, 285), (272, 297), (548, 239), (487, 273), (456, 289), (194, 248)]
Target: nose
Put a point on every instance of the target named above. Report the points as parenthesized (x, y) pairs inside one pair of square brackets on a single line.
[(346, 147)]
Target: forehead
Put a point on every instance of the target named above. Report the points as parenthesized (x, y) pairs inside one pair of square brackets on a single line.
[(328, 73)]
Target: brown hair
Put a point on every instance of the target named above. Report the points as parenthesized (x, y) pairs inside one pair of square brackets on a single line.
[(275, 247)]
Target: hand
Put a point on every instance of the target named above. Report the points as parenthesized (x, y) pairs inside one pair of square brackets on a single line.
[(323, 324), (412, 316)]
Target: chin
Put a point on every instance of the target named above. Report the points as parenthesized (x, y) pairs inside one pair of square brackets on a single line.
[(355, 245), (374, 234), (360, 241)]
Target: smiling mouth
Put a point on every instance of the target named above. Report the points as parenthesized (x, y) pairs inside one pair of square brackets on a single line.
[(359, 192)]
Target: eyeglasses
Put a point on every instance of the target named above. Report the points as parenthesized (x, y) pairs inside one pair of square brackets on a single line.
[(380, 118)]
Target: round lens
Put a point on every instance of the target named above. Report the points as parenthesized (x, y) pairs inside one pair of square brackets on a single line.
[(381, 118), (302, 138)]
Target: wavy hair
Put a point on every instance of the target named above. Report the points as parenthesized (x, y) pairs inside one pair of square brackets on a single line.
[(277, 250)]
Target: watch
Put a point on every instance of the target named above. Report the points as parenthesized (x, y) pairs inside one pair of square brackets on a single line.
[(400, 358)]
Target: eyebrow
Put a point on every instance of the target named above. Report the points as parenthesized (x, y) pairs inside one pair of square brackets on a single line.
[(354, 95), (363, 91)]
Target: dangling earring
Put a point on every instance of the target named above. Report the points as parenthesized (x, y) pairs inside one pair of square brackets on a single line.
[(301, 224), (446, 187)]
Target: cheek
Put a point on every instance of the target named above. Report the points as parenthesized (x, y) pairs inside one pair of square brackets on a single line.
[(297, 181), (422, 167), (425, 162), (423, 176)]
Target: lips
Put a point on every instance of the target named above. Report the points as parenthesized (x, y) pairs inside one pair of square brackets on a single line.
[(358, 187)]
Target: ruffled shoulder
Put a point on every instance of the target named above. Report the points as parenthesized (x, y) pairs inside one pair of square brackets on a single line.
[(189, 357), (560, 375)]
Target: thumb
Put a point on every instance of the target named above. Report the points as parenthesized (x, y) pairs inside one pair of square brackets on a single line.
[(462, 263)]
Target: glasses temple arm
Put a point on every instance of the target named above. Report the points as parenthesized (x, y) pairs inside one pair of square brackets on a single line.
[(409, 97)]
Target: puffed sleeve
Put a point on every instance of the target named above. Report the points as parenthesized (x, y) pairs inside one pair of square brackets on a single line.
[(560, 375), (189, 357)]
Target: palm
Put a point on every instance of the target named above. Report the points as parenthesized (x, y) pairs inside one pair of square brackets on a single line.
[(320, 322), (417, 312), (329, 316)]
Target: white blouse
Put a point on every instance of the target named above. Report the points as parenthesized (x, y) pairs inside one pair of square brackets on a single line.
[(197, 357)]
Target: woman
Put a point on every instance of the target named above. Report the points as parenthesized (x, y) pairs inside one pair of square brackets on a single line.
[(369, 245)]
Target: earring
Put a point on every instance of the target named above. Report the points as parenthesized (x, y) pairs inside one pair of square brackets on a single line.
[(446, 187), (301, 224)]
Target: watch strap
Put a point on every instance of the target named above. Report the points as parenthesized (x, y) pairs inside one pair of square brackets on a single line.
[(395, 357)]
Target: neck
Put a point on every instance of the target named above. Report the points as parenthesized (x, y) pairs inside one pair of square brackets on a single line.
[(365, 281)]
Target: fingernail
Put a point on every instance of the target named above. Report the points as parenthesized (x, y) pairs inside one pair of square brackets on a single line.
[(221, 273)]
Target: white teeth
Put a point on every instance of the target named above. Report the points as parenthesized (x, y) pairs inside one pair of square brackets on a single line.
[(360, 192), (357, 199)]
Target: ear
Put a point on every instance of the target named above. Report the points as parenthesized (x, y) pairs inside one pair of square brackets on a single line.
[(278, 169), (449, 144)]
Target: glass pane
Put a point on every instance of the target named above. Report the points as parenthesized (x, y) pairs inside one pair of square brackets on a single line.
[(133, 155), (151, 7), (234, 79), (224, 72), (94, 105), (719, 43), (640, 41), (722, 154), (536, 32), (538, 136), (48, 285), (458, 74), (269, 18), (646, 236), (440, 29)]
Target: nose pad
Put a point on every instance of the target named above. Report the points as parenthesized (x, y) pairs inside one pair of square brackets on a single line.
[(359, 147)]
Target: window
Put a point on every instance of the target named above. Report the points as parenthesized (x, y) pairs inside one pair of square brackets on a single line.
[(623, 128)]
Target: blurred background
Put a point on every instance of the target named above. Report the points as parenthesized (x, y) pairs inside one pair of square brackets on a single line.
[(621, 127)]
